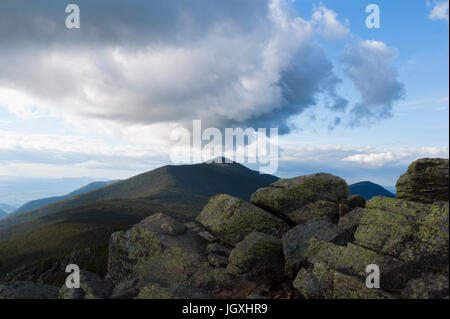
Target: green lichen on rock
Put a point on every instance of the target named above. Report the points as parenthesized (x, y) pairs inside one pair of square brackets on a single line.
[(231, 219), (296, 242), (159, 250), (426, 181), (154, 291), (321, 282), (259, 257), (353, 260), (349, 287), (350, 221), (430, 286), (317, 209), (217, 260), (413, 232), (215, 248), (287, 195), (315, 283)]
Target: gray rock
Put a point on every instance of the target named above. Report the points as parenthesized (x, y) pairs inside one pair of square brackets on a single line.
[(323, 283), (217, 260), (430, 286), (296, 242), (353, 260), (91, 287), (349, 222), (355, 201), (218, 249), (27, 290), (161, 251), (256, 297), (344, 209), (288, 196), (425, 181), (231, 219), (259, 257), (413, 232), (156, 291), (128, 289), (317, 209)]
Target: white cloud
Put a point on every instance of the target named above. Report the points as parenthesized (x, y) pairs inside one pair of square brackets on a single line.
[(327, 24), (439, 11), (400, 156), (338, 155), (368, 63)]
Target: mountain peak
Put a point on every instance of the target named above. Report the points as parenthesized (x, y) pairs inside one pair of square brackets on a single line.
[(220, 160), (369, 189)]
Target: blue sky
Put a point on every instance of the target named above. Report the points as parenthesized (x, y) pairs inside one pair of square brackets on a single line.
[(99, 102)]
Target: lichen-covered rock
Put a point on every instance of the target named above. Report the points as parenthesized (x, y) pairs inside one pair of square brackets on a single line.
[(317, 209), (288, 196), (349, 287), (155, 291), (128, 289), (430, 286), (355, 201), (353, 260), (256, 297), (217, 260), (259, 257), (344, 209), (158, 249), (426, 181), (231, 219), (323, 283), (296, 241), (27, 290), (218, 249), (91, 287), (349, 222), (315, 283), (413, 232)]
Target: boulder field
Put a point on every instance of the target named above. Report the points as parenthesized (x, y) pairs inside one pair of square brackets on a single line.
[(303, 237)]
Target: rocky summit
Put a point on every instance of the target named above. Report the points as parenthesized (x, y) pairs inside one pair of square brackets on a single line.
[(426, 181), (302, 238)]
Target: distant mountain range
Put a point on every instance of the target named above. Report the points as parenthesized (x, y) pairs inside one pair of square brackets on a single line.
[(16, 191), (368, 190), (35, 204), (87, 220), (6, 208)]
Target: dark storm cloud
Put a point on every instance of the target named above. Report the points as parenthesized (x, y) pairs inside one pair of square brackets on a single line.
[(117, 22), (252, 63)]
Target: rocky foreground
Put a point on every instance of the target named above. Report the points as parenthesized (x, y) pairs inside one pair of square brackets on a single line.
[(303, 237)]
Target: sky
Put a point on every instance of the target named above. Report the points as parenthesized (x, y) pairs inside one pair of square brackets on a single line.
[(101, 101)]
